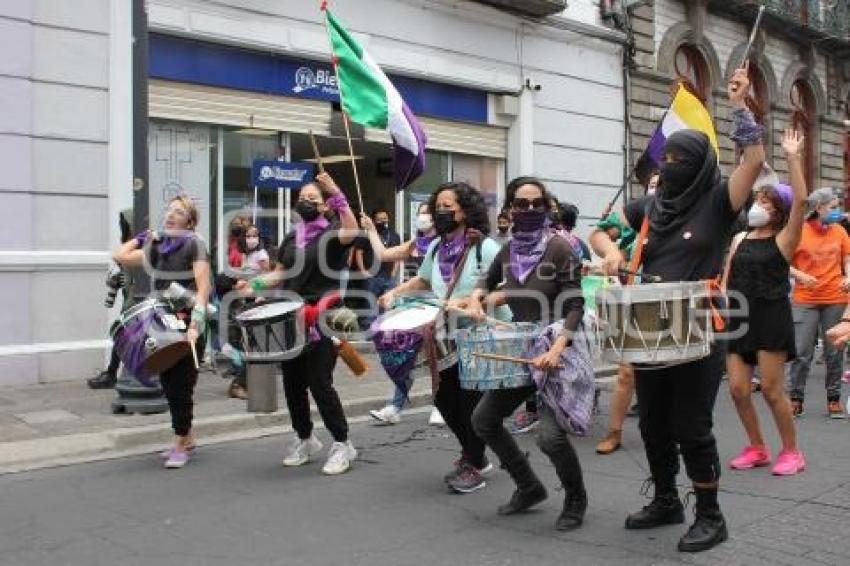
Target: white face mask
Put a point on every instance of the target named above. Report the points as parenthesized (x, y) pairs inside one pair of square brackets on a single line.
[(252, 243), (757, 216), (424, 222)]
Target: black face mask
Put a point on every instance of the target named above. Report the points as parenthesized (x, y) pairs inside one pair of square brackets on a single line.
[(307, 210), (444, 222), (503, 228), (382, 226), (676, 177)]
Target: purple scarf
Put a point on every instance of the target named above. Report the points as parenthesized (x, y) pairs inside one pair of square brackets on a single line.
[(306, 232), (526, 250), (423, 242), (449, 253), (166, 244)]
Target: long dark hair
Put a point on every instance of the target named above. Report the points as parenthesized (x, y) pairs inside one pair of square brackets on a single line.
[(470, 201), (515, 184), (242, 243)]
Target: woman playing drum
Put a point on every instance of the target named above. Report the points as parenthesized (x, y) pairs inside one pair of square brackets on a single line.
[(308, 258), (178, 255), (458, 258), (542, 282), (689, 225)]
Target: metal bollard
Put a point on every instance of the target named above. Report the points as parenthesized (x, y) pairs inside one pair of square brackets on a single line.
[(262, 388)]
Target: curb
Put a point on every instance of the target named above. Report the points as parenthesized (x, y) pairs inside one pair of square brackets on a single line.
[(26, 455)]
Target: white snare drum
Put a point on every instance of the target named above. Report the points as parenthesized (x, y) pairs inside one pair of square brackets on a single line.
[(404, 324), (272, 331), (657, 323)]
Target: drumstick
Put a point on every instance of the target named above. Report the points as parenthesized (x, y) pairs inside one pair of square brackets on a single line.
[(443, 303), (502, 358), (194, 354), (316, 154)]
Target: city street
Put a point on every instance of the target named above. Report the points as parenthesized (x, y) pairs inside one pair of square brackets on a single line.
[(235, 504)]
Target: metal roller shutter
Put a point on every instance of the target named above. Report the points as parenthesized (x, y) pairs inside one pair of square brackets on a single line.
[(212, 105)]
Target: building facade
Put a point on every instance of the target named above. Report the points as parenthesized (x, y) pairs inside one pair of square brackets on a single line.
[(799, 70), (502, 89)]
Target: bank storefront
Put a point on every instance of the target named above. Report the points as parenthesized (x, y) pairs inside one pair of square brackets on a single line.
[(216, 109)]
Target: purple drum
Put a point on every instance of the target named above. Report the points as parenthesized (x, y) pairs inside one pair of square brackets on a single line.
[(149, 338)]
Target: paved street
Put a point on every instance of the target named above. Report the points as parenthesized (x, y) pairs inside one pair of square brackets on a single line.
[(234, 504)]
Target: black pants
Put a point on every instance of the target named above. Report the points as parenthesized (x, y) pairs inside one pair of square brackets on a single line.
[(178, 384), (676, 415), (456, 405), (313, 369), (488, 420), (114, 362)]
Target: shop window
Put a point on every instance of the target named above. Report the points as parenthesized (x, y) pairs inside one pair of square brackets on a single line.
[(804, 118), (692, 71)]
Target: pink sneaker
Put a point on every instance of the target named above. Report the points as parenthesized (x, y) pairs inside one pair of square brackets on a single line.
[(789, 463), (750, 457)]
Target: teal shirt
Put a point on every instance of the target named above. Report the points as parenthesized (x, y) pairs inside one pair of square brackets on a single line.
[(469, 277)]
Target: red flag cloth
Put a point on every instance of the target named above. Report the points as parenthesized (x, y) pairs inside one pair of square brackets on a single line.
[(312, 312)]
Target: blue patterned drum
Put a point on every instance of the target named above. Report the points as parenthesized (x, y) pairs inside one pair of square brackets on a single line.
[(483, 373)]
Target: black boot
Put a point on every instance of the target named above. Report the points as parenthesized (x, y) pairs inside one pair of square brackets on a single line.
[(664, 509), (530, 491), (575, 505), (709, 528), (104, 380)]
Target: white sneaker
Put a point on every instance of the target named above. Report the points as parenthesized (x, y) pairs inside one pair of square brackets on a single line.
[(301, 451), (339, 458), (436, 419), (389, 415)]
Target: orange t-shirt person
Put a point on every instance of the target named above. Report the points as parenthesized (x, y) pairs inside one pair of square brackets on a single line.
[(821, 256)]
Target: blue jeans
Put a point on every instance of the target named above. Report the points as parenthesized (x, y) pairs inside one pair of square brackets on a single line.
[(399, 399)]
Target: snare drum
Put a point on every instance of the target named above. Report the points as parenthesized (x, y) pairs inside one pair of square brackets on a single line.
[(272, 332), (402, 330), (149, 338), (513, 340), (657, 323)]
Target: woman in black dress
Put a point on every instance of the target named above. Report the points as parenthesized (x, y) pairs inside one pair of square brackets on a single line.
[(689, 225)]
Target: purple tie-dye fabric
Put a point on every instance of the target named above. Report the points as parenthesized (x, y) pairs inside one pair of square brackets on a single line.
[(397, 351), (130, 345), (569, 391)]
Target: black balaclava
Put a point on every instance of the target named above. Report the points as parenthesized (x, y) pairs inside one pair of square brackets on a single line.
[(685, 182)]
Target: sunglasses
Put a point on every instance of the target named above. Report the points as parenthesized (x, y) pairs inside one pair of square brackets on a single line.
[(525, 203)]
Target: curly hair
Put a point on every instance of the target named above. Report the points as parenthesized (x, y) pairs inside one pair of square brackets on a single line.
[(515, 184), (782, 211), (470, 201)]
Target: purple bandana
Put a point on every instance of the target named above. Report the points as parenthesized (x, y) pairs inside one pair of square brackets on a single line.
[(449, 253), (527, 249), (423, 242), (166, 244), (306, 232)]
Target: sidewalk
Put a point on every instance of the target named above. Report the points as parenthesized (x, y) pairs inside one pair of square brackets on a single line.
[(62, 423)]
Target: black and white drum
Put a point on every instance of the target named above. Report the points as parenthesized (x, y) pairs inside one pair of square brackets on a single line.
[(272, 332)]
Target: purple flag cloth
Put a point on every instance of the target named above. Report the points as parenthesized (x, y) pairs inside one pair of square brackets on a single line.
[(569, 391), (407, 166)]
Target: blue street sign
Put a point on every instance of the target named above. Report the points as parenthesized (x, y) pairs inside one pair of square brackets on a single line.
[(267, 174)]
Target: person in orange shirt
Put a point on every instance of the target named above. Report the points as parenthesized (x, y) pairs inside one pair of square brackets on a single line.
[(821, 269)]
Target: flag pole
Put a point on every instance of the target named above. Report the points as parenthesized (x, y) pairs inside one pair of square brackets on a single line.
[(324, 8)]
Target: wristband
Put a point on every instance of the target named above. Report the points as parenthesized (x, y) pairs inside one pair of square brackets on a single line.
[(745, 130), (199, 317), (337, 202), (258, 284)]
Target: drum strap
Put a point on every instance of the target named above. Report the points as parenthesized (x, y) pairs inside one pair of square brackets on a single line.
[(712, 288), (637, 255)]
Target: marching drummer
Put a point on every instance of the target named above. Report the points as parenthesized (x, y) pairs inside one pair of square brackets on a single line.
[(177, 254), (452, 266), (542, 282), (306, 262), (685, 230)]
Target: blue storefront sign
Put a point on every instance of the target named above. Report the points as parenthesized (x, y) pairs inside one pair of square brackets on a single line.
[(213, 64), (280, 174)]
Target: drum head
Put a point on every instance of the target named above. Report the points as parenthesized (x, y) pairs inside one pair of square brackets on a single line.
[(166, 357), (268, 313), (408, 318)]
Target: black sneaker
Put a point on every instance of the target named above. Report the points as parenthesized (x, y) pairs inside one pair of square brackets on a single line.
[(104, 380), (708, 530), (662, 510), (468, 480)]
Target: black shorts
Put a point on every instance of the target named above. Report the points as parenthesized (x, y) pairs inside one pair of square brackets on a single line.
[(769, 328)]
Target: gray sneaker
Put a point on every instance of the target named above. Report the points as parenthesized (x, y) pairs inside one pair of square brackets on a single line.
[(468, 480)]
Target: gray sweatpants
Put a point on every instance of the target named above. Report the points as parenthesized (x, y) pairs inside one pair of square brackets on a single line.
[(810, 321)]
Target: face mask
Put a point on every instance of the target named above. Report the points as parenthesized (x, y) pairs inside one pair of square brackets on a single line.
[(757, 216), (307, 210), (503, 228), (424, 222), (833, 216), (651, 192), (529, 220), (676, 177), (382, 226), (252, 243), (445, 222)]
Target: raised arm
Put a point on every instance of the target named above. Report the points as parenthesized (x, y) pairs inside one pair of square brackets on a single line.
[(607, 249), (746, 134), (336, 201), (789, 237), (395, 253)]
